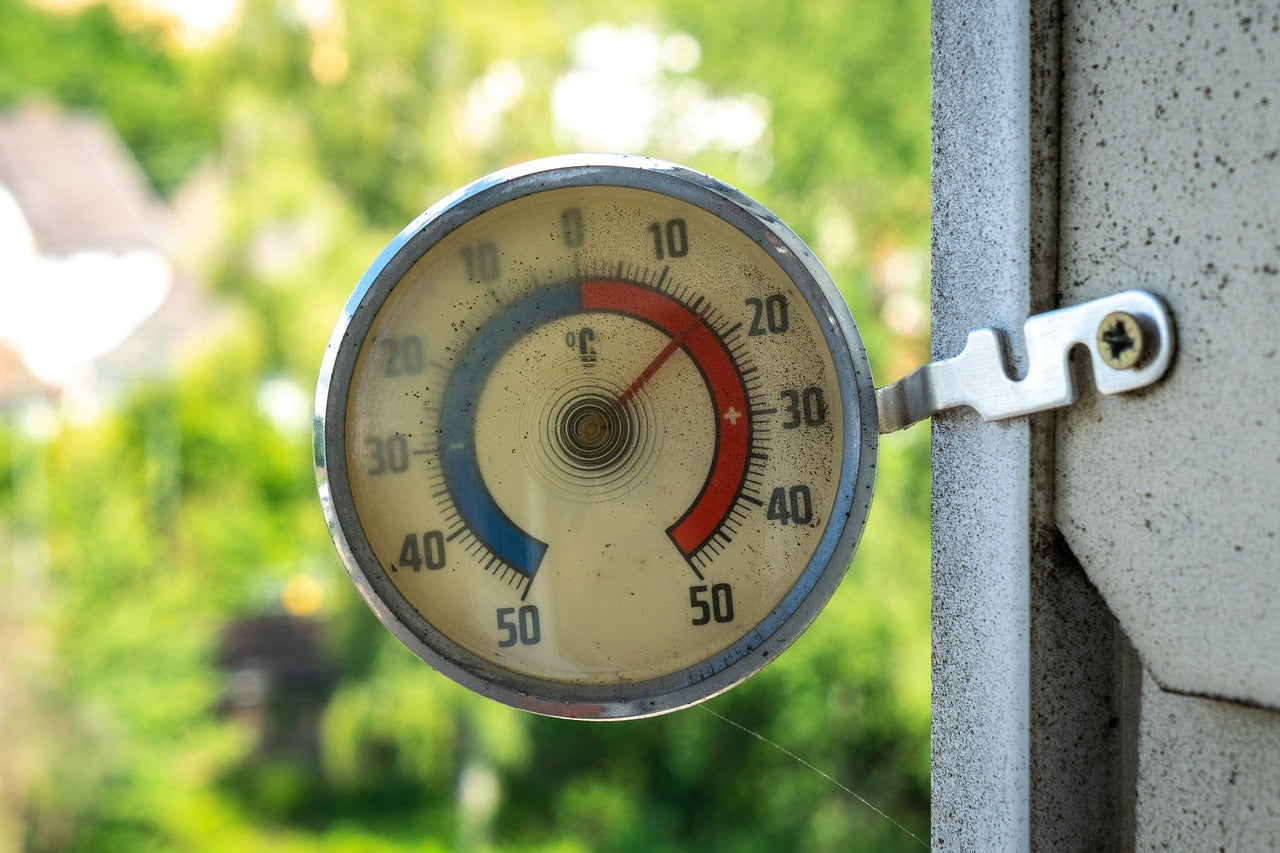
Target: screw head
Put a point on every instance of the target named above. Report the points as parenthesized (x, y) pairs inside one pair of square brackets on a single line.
[(1120, 340)]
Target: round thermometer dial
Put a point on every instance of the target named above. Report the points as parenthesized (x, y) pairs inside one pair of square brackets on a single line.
[(595, 436)]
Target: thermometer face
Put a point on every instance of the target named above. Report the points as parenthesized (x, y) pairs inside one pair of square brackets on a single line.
[(596, 436)]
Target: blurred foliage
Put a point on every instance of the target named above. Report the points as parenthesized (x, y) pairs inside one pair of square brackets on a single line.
[(135, 539), (91, 61)]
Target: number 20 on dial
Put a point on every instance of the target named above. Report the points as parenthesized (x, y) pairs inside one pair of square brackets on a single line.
[(595, 437)]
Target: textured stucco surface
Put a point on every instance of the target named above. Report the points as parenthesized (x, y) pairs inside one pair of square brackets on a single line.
[(1086, 560), (1170, 179), (1208, 777), (980, 508)]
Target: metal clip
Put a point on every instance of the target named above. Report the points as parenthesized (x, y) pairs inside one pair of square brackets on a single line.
[(1130, 340)]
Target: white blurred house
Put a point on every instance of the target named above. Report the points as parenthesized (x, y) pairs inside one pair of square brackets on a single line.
[(89, 298)]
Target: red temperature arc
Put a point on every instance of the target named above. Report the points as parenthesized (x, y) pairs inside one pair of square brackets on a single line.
[(661, 358), (728, 392)]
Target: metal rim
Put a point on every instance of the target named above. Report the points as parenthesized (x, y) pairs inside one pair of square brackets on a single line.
[(825, 568)]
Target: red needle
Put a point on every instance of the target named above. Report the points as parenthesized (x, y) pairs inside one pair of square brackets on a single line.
[(661, 358)]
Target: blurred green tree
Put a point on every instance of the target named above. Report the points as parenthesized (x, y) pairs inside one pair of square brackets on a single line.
[(319, 128)]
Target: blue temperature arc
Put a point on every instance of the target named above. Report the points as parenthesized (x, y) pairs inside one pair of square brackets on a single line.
[(459, 405)]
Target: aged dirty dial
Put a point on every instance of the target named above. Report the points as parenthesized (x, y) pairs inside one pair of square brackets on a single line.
[(592, 437)]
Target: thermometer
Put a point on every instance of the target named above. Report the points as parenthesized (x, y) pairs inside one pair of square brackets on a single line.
[(596, 436)]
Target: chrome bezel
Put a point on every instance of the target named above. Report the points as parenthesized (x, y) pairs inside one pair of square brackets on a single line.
[(623, 699)]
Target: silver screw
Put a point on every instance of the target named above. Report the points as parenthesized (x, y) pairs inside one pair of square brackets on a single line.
[(1120, 341)]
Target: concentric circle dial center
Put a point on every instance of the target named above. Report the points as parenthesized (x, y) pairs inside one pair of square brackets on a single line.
[(594, 432)]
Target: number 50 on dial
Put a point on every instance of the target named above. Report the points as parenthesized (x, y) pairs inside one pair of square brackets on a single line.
[(596, 436)]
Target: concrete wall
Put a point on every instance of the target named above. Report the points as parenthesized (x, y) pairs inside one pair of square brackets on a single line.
[(1101, 573)]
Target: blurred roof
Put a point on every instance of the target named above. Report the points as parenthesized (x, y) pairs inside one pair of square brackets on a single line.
[(76, 183), (89, 210)]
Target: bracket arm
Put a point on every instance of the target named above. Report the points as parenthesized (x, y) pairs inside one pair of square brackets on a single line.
[(1129, 335)]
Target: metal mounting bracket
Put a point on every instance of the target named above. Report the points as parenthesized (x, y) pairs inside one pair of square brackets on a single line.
[(1129, 337)]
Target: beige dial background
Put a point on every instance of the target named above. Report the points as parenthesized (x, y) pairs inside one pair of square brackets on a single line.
[(613, 599)]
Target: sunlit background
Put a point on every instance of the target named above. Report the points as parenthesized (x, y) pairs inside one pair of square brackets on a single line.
[(189, 189)]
